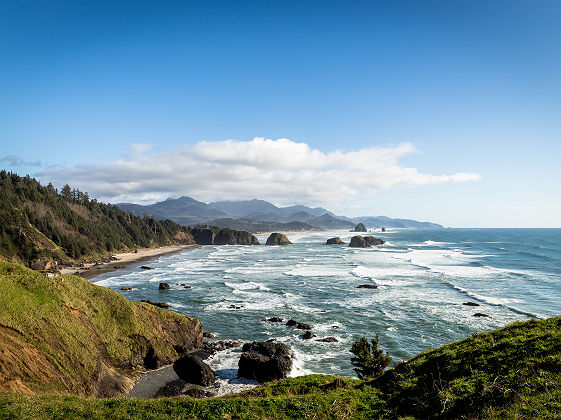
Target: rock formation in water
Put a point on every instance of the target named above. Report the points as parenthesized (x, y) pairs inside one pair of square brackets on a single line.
[(365, 242), (278, 239), (234, 237), (360, 228), (216, 236), (334, 241), (193, 370), (264, 361)]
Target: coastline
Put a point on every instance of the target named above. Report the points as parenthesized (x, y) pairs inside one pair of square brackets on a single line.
[(123, 260)]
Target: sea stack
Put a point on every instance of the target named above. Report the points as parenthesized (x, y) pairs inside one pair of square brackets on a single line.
[(278, 239), (360, 228), (335, 241), (365, 242)]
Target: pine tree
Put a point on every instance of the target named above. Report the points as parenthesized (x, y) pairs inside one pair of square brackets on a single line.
[(66, 193), (370, 361)]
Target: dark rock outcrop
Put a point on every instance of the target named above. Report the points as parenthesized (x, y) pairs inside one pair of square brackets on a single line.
[(365, 242), (278, 239), (480, 315), (308, 335), (213, 235), (470, 304), (235, 237), (158, 304), (299, 325), (360, 228), (328, 340), (193, 370), (264, 361), (164, 286), (275, 319), (334, 241), (203, 236), (145, 267), (196, 391), (211, 347), (367, 286)]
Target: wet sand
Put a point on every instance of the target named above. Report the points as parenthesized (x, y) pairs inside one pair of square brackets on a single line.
[(123, 260)]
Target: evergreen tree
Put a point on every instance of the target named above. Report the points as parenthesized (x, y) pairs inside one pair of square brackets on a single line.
[(370, 361), (66, 192)]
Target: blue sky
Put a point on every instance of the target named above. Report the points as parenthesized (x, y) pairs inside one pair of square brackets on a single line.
[(469, 87)]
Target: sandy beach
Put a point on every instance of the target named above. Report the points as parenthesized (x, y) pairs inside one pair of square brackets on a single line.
[(122, 260)]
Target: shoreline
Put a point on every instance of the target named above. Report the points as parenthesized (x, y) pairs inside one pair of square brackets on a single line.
[(123, 260)]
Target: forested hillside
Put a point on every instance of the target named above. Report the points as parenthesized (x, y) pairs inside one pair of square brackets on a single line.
[(40, 223)]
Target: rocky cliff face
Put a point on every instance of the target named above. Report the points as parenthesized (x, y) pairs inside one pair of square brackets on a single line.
[(235, 237), (66, 335), (216, 236)]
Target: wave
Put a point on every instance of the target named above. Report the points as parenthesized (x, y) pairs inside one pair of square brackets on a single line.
[(494, 301), (247, 286)]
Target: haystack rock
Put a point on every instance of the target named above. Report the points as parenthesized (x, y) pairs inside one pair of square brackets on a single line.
[(278, 239), (360, 228)]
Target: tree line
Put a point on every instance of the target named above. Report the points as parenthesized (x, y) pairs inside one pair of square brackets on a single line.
[(39, 221)]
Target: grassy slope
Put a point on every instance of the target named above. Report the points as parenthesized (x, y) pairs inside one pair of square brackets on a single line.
[(506, 373), (54, 331)]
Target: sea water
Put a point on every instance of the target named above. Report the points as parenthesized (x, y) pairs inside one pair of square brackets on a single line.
[(423, 279)]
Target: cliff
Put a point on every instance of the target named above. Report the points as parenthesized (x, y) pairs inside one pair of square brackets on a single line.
[(66, 335)]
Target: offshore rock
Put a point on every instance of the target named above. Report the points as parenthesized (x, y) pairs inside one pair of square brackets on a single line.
[(298, 324), (278, 239), (360, 228), (193, 370), (264, 361), (235, 237), (364, 242), (334, 241)]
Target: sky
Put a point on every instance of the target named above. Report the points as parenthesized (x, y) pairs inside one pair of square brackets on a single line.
[(445, 111)]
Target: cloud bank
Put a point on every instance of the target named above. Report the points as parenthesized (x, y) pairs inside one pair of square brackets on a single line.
[(281, 171)]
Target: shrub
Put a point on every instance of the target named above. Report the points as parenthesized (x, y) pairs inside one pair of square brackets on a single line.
[(370, 361)]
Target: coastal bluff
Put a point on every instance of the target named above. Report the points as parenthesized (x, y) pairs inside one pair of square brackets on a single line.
[(65, 335)]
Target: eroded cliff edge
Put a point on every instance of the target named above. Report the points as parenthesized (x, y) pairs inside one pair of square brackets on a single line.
[(63, 334)]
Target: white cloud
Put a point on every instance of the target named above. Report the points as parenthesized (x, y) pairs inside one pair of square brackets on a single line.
[(281, 171)]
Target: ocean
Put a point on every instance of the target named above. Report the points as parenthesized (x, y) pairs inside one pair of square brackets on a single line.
[(424, 277)]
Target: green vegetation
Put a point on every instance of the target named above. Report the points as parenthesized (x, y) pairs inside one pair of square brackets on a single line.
[(369, 360), (65, 334), (39, 223), (506, 373)]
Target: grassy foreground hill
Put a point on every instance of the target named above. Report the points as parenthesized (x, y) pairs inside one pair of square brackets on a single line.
[(54, 332), (65, 335)]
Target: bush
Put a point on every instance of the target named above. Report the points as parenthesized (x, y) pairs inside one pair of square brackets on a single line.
[(370, 361)]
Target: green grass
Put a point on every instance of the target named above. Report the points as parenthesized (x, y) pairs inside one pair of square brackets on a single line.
[(514, 372), (55, 330)]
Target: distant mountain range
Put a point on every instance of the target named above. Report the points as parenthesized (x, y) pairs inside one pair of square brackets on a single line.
[(261, 216)]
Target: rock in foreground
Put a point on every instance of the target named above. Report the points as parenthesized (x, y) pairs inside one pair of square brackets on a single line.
[(193, 370), (278, 239), (334, 241), (364, 241), (264, 361)]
